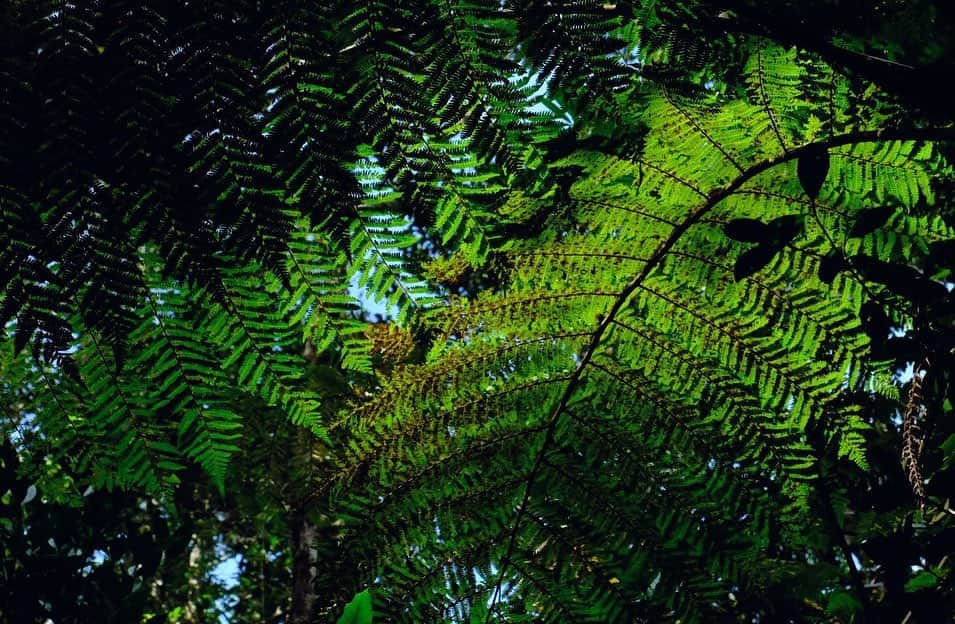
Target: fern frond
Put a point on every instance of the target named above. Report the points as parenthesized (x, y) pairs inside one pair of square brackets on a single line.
[(320, 301), (174, 359), (677, 393), (380, 238), (260, 345)]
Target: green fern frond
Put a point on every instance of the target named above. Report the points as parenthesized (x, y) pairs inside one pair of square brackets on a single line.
[(262, 348), (319, 299), (717, 387), (380, 238), (188, 386)]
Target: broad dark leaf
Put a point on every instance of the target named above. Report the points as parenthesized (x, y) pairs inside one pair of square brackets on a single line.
[(752, 260), (784, 229), (922, 291), (831, 265), (747, 230), (902, 349), (880, 271), (905, 281), (812, 169), (870, 220), (875, 322)]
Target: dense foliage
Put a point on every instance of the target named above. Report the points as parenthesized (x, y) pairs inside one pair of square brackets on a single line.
[(664, 332)]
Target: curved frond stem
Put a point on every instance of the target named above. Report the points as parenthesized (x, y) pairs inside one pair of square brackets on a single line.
[(712, 200), (574, 254)]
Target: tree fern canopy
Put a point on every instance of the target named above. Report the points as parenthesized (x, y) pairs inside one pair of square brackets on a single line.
[(664, 311)]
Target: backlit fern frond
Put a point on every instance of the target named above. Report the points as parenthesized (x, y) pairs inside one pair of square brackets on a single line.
[(306, 113), (570, 45), (320, 301), (192, 390), (225, 147), (663, 269), (261, 346), (380, 237), (646, 399)]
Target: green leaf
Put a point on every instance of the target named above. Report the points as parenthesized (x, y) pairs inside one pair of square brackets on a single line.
[(923, 579), (358, 611), (478, 613), (843, 605)]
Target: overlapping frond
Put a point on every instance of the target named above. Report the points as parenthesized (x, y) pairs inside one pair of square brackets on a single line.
[(265, 163), (634, 423), (642, 409)]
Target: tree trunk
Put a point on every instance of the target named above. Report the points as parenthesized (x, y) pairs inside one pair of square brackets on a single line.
[(303, 569)]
